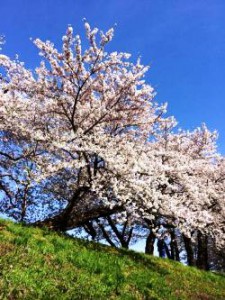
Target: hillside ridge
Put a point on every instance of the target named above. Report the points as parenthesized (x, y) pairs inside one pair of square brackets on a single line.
[(40, 264)]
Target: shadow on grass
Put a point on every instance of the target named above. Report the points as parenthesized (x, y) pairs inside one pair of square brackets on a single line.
[(138, 258)]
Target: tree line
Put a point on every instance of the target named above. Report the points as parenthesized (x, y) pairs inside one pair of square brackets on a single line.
[(83, 144)]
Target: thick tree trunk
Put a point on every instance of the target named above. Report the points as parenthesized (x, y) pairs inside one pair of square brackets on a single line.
[(149, 246), (175, 254), (202, 256), (72, 217), (189, 251)]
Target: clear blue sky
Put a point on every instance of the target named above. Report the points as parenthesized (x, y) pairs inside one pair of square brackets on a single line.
[(183, 41)]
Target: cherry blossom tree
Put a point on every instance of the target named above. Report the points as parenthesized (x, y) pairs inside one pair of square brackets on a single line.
[(61, 127), (82, 138)]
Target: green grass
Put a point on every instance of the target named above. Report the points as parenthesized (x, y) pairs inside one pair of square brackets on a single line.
[(40, 264)]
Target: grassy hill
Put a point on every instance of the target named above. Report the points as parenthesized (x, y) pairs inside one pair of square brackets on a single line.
[(39, 264)]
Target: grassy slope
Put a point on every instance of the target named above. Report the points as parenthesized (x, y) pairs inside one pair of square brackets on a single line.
[(38, 264)]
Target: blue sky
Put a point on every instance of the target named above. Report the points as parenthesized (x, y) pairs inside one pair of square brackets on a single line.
[(183, 41)]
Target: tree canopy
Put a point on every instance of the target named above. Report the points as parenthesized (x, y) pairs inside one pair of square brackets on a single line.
[(81, 137)]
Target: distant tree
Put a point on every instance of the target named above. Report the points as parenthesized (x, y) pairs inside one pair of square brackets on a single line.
[(82, 139)]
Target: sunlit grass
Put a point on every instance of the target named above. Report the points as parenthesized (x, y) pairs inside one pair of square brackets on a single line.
[(39, 264)]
